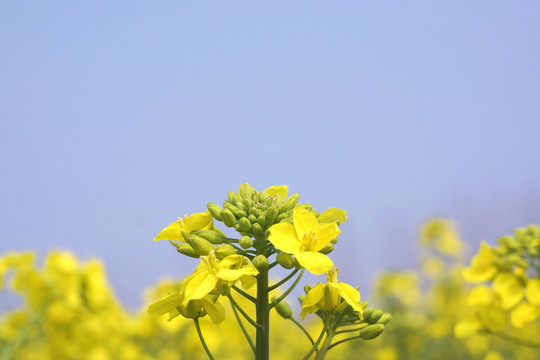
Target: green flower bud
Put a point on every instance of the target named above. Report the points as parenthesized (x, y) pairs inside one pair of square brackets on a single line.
[(373, 317), (371, 331), (261, 220), (271, 213), (290, 203), (244, 225), (200, 245), (307, 288), (238, 213), (256, 228), (283, 309), (367, 313), (234, 198), (185, 235), (260, 262), (212, 236), (186, 249), (228, 218), (245, 242), (301, 298), (327, 249), (385, 319), (267, 233), (285, 260), (252, 218), (222, 251), (192, 311), (214, 210), (283, 216), (334, 241), (245, 190)]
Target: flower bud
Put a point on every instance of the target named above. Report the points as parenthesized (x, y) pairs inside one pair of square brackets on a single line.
[(200, 245), (301, 298), (367, 312), (289, 203), (285, 260), (245, 190), (185, 235), (223, 288), (245, 242), (228, 218), (222, 251), (307, 288), (327, 249), (256, 228), (373, 317), (261, 220), (234, 198), (283, 309), (186, 249), (385, 319), (214, 210), (260, 262), (212, 236), (244, 225), (252, 218), (283, 216), (371, 331), (237, 212), (271, 213)]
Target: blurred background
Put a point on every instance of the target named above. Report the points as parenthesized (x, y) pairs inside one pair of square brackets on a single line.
[(116, 118)]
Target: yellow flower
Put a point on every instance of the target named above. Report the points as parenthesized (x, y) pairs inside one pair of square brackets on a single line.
[(333, 214), (304, 238), (482, 267), (174, 305), (332, 297), (197, 221), (508, 287)]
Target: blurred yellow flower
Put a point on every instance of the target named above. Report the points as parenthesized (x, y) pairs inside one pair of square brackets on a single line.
[(197, 221)]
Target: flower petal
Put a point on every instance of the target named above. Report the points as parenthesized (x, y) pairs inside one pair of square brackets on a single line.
[(198, 221), (283, 237), (333, 214), (165, 305), (199, 286), (314, 262), (304, 221), (351, 296), (281, 190), (309, 305), (326, 233), (171, 232)]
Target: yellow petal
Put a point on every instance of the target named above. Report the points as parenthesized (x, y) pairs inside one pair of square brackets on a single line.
[(482, 267), (523, 314), (532, 291), (171, 232), (304, 221), (163, 306), (509, 289), (351, 296), (493, 318), (283, 237), (199, 286), (333, 214), (309, 305), (198, 221), (281, 190), (214, 310), (481, 295), (326, 233), (233, 275), (314, 262)]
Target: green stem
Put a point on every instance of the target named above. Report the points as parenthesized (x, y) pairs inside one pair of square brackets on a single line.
[(284, 295), (516, 340), (303, 329), (276, 285), (348, 330), (344, 340), (262, 351), (244, 294), (244, 314), (314, 347), (248, 338), (198, 327)]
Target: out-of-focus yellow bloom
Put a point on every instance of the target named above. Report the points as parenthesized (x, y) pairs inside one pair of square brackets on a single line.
[(467, 327), (509, 289), (197, 221), (304, 238), (482, 267), (332, 297), (524, 314), (441, 233), (492, 355)]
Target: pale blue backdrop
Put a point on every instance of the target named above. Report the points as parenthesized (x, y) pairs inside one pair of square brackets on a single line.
[(117, 117)]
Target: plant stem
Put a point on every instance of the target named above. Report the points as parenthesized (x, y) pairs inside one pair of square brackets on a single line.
[(284, 295), (516, 340), (283, 281), (262, 351), (246, 316), (314, 347), (303, 329), (248, 338), (198, 327), (244, 294)]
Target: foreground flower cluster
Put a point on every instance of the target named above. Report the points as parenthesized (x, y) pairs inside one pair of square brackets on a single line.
[(273, 230)]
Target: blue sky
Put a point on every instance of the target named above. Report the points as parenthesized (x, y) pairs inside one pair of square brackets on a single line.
[(116, 118)]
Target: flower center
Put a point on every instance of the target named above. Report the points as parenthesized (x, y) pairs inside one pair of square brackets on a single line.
[(308, 240)]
